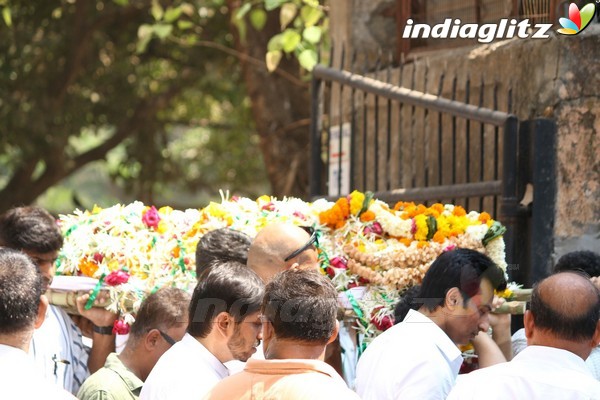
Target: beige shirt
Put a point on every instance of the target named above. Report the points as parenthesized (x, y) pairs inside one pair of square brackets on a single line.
[(290, 379)]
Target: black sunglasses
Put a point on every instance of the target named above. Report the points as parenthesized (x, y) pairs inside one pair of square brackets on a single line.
[(167, 338), (314, 239)]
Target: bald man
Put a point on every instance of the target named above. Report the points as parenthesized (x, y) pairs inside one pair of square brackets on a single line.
[(278, 246), (562, 328)]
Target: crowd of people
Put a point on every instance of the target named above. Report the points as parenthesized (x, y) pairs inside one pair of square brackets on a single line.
[(262, 321)]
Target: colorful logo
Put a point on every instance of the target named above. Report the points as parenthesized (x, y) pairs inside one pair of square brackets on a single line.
[(578, 19)]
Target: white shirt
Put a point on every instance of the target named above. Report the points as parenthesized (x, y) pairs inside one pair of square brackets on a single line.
[(58, 352), (21, 380), (414, 359), (538, 372), (186, 371), (519, 342)]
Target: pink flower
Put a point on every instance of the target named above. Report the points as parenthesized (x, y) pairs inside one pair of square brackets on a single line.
[(299, 215), (269, 207), (120, 327), (151, 218), (98, 257), (382, 323), (235, 198), (116, 278), (338, 262), (376, 227), (330, 272), (450, 247), (413, 229)]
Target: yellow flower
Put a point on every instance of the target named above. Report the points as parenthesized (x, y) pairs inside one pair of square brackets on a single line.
[(422, 230), (96, 209), (166, 210), (357, 200)]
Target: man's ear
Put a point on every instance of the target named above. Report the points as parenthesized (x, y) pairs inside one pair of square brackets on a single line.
[(42, 308), (151, 339), (596, 337), (224, 323), (267, 331), (336, 330), (529, 324), (453, 298)]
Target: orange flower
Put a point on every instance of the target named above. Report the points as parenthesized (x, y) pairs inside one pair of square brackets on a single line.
[(439, 207), (439, 237), (422, 243), (405, 241), (87, 267), (459, 211), (337, 215), (484, 217), (367, 216)]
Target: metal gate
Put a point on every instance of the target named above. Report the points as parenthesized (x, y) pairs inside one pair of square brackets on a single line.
[(403, 144)]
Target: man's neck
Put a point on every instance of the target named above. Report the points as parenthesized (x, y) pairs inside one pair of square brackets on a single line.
[(133, 363), (437, 316), (20, 340), (280, 349), (216, 346)]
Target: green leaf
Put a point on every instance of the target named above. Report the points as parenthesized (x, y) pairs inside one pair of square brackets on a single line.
[(121, 2), (431, 226), (172, 14), (286, 14), (241, 27), (258, 18), (275, 43), (7, 16), (289, 40), (183, 25), (310, 15), (142, 43), (145, 31), (272, 60), (308, 59), (496, 230), (273, 4), (312, 34), (162, 30), (156, 10), (243, 10)]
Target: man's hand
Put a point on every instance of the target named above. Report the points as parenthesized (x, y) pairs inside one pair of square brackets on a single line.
[(97, 315)]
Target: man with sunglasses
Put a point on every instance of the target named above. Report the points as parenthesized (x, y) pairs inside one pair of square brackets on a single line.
[(160, 322), (279, 246), (57, 346)]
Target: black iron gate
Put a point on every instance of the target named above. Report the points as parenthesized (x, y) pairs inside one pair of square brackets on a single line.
[(404, 144)]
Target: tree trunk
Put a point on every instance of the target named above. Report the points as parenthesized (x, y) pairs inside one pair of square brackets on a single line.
[(281, 111)]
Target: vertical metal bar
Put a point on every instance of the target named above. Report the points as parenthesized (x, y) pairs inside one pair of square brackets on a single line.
[(454, 83), (468, 139), (413, 168), (352, 125), (341, 127), (482, 144), (400, 171), (544, 194), (509, 208), (376, 131), (426, 133), (440, 137), (316, 164), (365, 136), (388, 153), (496, 146)]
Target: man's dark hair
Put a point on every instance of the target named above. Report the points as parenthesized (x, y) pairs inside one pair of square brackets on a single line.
[(229, 287), (566, 318), (460, 268), (30, 228), (584, 260), (301, 305), (20, 291), (220, 245), (406, 302), (162, 310)]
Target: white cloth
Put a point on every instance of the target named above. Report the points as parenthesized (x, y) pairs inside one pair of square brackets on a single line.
[(21, 379), (519, 342), (186, 371), (414, 359), (58, 352), (538, 372)]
